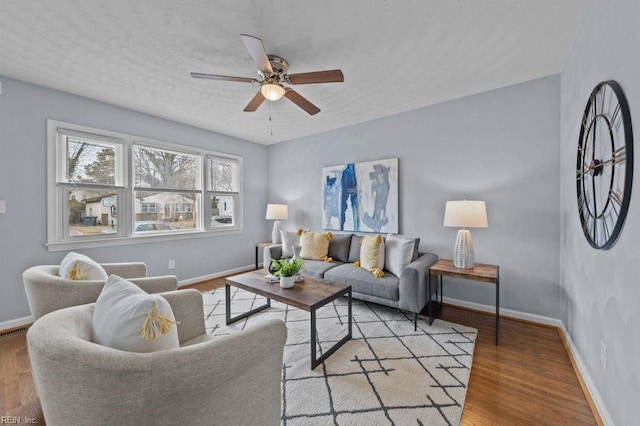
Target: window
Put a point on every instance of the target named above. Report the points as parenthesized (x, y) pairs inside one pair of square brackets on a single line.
[(148, 208), (172, 180), (222, 191), (159, 192)]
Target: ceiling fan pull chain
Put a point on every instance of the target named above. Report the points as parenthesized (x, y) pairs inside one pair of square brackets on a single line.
[(270, 121)]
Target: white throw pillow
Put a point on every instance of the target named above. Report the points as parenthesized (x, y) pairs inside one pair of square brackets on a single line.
[(290, 239), (127, 318), (76, 266), (399, 252)]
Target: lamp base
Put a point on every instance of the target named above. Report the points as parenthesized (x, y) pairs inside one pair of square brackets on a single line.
[(463, 256), (275, 234)]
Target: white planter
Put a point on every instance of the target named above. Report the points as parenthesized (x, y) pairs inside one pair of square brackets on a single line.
[(287, 282)]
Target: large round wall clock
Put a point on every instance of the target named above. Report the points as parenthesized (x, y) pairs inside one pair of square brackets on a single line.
[(604, 171)]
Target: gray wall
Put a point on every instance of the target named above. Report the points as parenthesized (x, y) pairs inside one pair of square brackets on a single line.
[(24, 109), (602, 287), (500, 146)]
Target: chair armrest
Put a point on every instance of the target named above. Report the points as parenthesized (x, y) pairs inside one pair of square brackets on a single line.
[(126, 270), (413, 283), (188, 310), (244, 368), (156, 284), (271, 252), (49, 293)]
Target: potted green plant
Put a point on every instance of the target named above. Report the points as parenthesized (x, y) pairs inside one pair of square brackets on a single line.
[(287, 269)]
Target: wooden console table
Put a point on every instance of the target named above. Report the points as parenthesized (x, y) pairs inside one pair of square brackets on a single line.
[(480, 272)]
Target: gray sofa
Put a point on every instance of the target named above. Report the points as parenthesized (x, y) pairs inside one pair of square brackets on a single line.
[(407, 292)]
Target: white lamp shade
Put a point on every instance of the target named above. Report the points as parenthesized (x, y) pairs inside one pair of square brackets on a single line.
[(272, 92), (277, 212), (466, 214)]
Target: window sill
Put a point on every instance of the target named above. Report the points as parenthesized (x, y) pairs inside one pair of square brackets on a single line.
[(140, 239)]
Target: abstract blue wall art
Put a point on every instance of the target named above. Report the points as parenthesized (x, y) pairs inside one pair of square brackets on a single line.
[(361, 197)]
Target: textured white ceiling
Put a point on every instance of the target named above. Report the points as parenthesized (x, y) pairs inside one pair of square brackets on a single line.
[(395, 55)]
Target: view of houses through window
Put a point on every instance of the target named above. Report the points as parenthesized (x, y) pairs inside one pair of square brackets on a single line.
[(165, 194)]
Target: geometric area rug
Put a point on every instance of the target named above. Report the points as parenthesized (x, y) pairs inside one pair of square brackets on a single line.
[(387, 374)]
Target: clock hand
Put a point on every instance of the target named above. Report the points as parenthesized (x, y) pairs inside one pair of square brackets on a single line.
[(581, 173), (618, 156)]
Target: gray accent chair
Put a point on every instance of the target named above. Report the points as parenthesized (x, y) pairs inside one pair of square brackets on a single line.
[(48, 292), (229, 380), (408, 292)]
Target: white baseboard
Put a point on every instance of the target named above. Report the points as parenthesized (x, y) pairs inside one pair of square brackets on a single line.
[(595, 395), (540, 319), (195, 280), (18, 322)]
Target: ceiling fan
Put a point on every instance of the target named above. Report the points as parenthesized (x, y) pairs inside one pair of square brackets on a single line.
[(273, 75)]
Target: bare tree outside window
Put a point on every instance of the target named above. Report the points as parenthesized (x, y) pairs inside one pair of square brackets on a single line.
[(165, 169), (222, 176)]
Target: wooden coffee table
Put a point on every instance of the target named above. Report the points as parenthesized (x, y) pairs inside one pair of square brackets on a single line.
[(309, 295)]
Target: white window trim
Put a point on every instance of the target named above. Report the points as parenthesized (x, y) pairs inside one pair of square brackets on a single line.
[(57, 225)]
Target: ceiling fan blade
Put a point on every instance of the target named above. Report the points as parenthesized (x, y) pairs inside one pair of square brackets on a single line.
[(301, 101), (258, 53), (223, 77), (255, 102), (330, 76)]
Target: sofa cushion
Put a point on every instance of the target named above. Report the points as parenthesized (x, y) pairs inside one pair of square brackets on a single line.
[(317, 268), (76, 266), (315, 245), (361, 281), (398, 253), (339, 247), (372, 253), (127, 318), (416, 247), (290, 239), (354, 249)]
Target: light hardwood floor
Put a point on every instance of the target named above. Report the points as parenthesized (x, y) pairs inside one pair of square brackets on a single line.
[(527, 379)]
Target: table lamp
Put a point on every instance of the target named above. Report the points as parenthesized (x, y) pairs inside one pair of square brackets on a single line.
[(277, 212), (465, 214)]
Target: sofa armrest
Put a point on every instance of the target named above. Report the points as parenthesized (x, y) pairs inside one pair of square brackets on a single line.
[(413, 283), (126, 270), (156, 284), (271, 252), (188, 310)]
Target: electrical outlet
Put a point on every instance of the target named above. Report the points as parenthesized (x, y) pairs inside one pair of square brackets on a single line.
[(603, 354), (172, 264)]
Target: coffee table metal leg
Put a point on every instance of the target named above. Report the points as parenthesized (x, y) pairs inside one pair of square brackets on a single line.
[(315, 362), (497, 308), (227, 303)]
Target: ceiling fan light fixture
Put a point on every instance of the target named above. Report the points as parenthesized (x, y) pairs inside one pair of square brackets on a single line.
[(272, 92)]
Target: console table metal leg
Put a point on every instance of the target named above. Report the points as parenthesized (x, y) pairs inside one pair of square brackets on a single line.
[(497, 308), (429, 308), (227, 304), (441, 293), (256, 257)]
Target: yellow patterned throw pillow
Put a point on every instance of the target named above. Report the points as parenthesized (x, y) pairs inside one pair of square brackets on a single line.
[(372, 254), (315, 245)]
